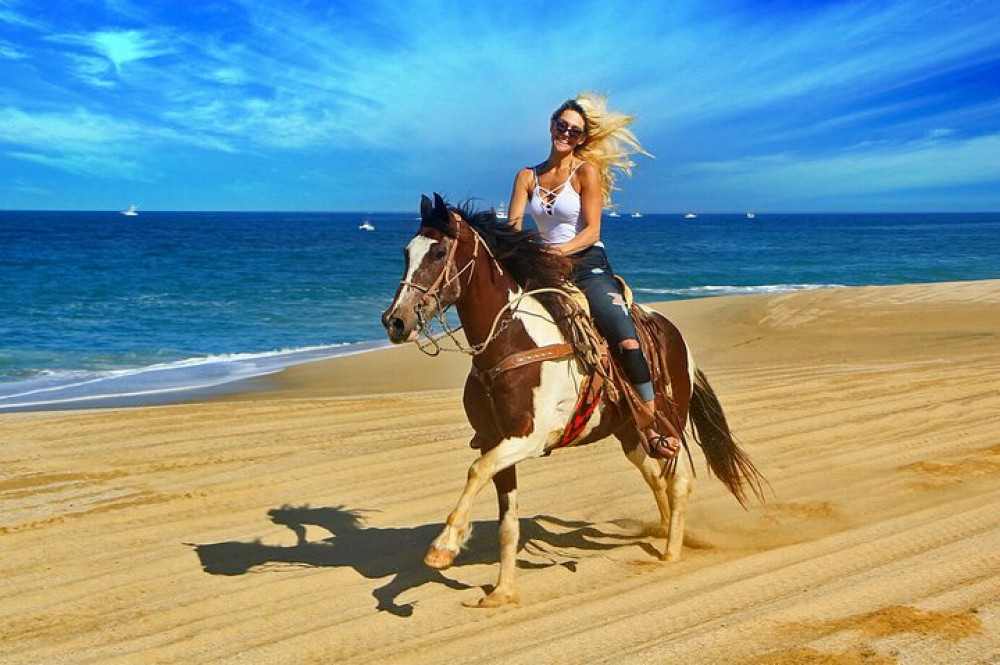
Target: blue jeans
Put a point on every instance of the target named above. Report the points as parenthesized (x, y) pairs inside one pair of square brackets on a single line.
[(596, 279)]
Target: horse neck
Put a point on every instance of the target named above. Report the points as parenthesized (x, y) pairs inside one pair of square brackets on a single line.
[(485, 293)]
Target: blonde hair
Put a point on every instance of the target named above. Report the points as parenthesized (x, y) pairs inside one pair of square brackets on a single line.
[(610, 143)]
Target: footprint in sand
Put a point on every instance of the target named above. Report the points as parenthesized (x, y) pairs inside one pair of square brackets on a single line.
[(944, 473), (950, 626)]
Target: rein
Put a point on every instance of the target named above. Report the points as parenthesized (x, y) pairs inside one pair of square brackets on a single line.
[(432, 346)]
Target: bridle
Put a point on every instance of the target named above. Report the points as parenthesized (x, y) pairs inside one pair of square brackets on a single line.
[(432, 293), (432, 346)]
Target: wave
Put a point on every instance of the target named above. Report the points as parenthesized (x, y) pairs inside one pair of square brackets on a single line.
[(713, 290), (123, 387)]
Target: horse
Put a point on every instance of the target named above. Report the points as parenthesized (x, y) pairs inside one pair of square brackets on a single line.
[(523, 386)]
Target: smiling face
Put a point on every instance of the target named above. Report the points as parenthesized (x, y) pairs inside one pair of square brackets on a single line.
[(568, 130)]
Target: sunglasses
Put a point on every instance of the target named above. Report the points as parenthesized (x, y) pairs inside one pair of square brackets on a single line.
[(563, 127)]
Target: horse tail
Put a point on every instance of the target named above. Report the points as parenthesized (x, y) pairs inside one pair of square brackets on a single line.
[(726, 459)]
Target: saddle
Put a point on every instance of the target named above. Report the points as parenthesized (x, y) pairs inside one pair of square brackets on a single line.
[(604, 377)]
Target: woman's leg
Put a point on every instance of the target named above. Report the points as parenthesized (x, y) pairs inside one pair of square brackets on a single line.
[(610, 311)]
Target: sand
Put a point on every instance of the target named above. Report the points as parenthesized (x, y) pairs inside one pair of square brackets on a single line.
[(288, 526)]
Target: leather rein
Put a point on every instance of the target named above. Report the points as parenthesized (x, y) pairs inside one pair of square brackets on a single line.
[(443, 280)]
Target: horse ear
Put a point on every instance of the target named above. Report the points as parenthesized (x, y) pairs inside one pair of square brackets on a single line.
[(425, 209), (442, 218)]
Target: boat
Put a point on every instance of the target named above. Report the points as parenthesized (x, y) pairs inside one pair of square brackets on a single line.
[(613, 213), (636, 215), (367, 226), (501, 211), (690, 215), (751, 214), (133, 211)]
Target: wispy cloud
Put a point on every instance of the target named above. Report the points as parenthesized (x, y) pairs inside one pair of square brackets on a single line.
[(778, 180), (101, 164), (113, 49), (14, 12), (10, 51), (80, 141), (458, 94)]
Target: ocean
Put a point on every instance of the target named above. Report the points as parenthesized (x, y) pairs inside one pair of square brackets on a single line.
[(102, 309)]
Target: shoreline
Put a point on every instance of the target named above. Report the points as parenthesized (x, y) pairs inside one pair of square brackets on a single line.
[(368, 371)]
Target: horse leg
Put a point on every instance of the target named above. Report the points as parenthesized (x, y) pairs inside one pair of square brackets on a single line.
[(680, 484), (671, 493), (651, 473), (445, 547), (510, 533)]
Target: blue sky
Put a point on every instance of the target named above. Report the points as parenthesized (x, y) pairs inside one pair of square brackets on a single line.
[(776, 106)]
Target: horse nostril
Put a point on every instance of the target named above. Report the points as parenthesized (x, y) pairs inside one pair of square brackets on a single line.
[(397, 324)]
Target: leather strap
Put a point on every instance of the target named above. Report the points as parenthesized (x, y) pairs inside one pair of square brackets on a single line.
[(522, 358)]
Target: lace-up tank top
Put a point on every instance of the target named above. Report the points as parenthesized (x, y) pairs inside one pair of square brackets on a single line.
[(556, 211)]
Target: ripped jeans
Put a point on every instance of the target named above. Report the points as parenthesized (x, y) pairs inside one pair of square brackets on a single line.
[(596, 279)]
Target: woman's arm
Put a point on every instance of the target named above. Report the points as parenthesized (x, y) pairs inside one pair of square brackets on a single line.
[(591, 202), (519, 198)]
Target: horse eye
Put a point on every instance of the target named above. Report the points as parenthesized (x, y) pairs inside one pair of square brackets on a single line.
[(439, 254)]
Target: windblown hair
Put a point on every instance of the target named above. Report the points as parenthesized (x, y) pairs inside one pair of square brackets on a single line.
[(610, 143)]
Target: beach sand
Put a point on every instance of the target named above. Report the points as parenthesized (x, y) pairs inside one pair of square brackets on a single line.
[(289, 526)]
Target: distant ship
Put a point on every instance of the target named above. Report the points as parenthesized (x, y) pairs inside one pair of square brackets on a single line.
[(133, 211), (613, 213), (751, 214), (367, 226), (501, 211), (637, 215), (690, 215)]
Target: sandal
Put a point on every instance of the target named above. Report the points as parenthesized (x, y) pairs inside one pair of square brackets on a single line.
[(661, 447)]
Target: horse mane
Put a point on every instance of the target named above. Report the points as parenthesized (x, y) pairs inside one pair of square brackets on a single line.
[(526, 257), (521, 252)]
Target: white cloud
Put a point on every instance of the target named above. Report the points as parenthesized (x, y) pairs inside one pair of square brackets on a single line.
[(229, 75), (10, 13), (11, 51), (96, 164), (916, 164), (117, 47), (93, 144)]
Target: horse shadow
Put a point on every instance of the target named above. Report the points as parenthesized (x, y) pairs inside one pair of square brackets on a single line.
[(379, 552)]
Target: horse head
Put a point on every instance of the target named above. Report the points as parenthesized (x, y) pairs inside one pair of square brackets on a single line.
[(430, 279)]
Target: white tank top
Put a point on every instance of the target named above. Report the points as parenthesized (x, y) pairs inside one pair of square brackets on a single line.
[(556, 211)]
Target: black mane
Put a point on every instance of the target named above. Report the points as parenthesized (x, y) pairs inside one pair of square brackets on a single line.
[(528, 260), (523, 253)]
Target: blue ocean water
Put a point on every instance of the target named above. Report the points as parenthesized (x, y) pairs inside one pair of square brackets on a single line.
[(99, 308)]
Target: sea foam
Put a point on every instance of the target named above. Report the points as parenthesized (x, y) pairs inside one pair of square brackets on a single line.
[(158, 383)]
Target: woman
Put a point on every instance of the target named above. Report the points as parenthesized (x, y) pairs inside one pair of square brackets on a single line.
[(565, 195)]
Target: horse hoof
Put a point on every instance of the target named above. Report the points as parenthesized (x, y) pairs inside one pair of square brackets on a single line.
[(493, 600), (439, 559), (670, 557)]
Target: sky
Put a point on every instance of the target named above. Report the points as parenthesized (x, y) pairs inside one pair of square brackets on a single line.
[(765, 105)]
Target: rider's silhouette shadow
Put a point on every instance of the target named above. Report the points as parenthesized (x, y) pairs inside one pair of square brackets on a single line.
[(377, 552)]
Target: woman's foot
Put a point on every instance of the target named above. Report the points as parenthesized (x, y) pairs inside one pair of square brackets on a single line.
[(658, 445), (662, 447)]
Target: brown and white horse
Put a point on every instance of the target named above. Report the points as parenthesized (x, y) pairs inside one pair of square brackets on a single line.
[(488, 271)]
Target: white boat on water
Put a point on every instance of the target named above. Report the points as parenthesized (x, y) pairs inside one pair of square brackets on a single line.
[(636, 215), (367, 226), (133, 211), (751, 214), (501, 211), (690, 215), (613, 213)]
